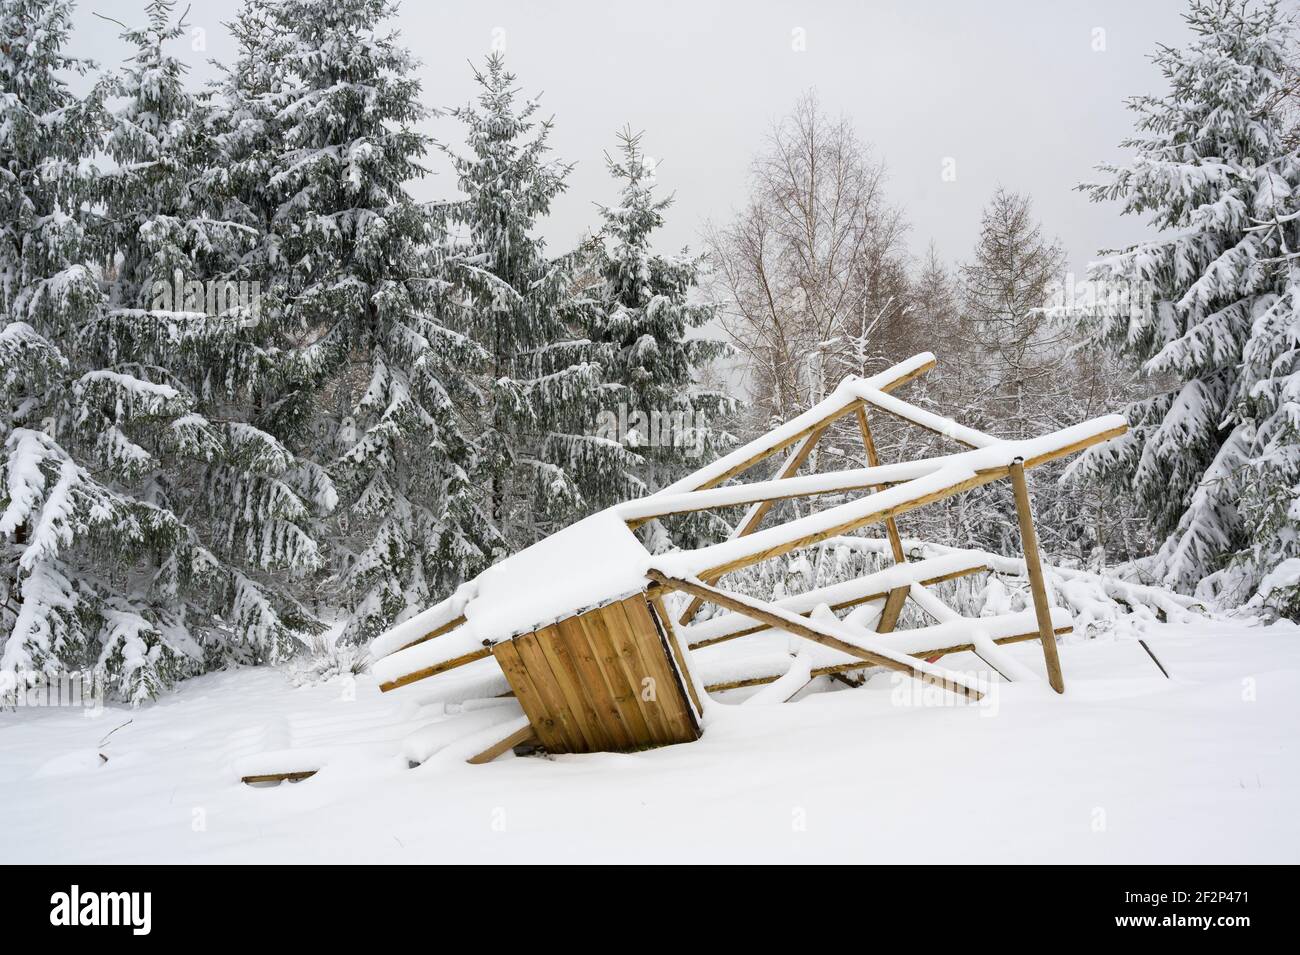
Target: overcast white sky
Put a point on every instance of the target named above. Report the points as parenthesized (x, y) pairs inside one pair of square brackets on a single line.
[(1014, 92)]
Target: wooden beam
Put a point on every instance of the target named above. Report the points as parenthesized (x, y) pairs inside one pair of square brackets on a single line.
[(278, 777), (898, 381), (762, 452), (936, 424), (1037, 583), (809, 630), (842, 605), (846, 527), (518, 738), (776, 489), (982, 477), (1073, 447), (894, 602), (436, 632), (833, 482), (759, 510), (893, 607), (837, 669), (873, 460), (763, 455), (453, 663)]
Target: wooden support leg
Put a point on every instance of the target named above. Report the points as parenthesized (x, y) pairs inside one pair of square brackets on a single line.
[(1037, 586), (873, 460), (518, 738), (894, 602), (893, 607)]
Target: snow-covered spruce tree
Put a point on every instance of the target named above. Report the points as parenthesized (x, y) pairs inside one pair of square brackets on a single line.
[(180, 317), (1210, 455), (1005, 288), (643, 322), (1268, 566), (357, 273), (88, 557), (543, 460)]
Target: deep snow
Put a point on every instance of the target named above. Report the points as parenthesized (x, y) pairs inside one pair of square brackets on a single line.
[(1127, 767)]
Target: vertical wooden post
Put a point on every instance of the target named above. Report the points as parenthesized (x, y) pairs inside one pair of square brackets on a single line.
[(894, 602), (873, 460), (892, 609), (1034, 566)]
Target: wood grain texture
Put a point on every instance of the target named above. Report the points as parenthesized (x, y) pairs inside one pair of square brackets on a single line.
[(605, 680), (1037, 583), (518, 738)]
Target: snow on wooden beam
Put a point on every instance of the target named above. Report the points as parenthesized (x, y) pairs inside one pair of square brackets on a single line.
[(835, 636), (422, 744), (278, 765), (434, 669), (278, 777), (840, 596), (763, 676), (939, 640), (758, 510), (637, 512), (956, 635), (439, 619), (718, 559), (960, 472), (643, 509), (839, 402), (920, 417), (1166, 601)]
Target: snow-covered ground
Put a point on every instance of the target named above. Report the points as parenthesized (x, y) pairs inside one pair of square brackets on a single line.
[(1127, 767)]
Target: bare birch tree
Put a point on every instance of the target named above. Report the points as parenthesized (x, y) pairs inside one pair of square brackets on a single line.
[(813, 262)]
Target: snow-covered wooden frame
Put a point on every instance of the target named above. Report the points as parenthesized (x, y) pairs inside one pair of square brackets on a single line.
[(580, 623)]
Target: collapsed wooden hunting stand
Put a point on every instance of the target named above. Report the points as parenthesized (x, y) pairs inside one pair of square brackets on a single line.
[(580, 623)]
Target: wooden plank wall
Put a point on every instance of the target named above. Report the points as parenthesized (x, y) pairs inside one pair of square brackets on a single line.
[(604, 680)]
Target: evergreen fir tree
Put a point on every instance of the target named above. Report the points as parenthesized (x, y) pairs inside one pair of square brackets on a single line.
[(1268, 566), (1011, 352), (90, 559), (356, 272), (642, 321), (542, 458), (1214, 174), (181, 317)]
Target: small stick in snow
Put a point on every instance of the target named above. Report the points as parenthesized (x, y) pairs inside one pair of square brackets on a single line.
[(1153, 659), (111, 732)]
